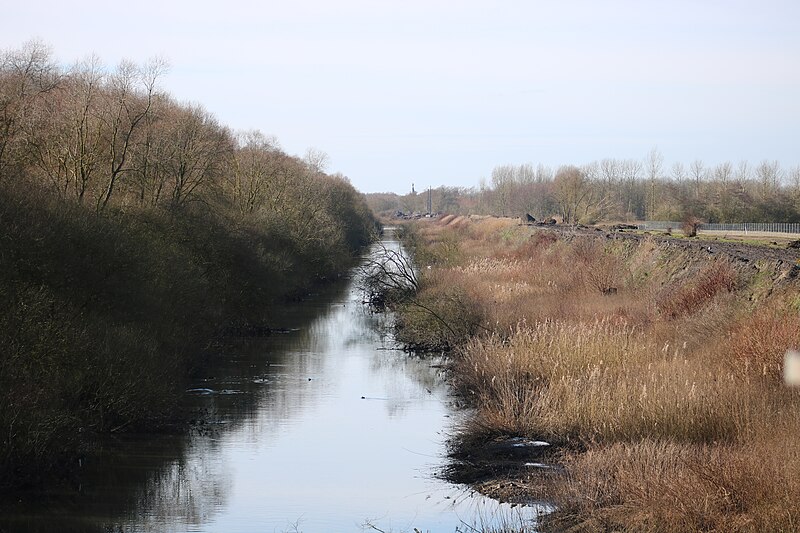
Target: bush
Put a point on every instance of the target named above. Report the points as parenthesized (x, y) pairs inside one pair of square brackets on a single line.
[(758, 341), (688, 298), (690, 225), (438, 318)]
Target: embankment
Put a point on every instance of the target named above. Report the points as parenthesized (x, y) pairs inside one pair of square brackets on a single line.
[(652, 365)]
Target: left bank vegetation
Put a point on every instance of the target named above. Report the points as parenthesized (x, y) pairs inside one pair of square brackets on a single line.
[(135, 228)]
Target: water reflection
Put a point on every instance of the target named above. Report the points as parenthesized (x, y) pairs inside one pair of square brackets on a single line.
[(323, 428)]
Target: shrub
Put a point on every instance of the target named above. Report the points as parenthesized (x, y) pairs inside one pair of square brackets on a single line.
[(94, 305), (690, 225), (758, 341), (688, 298), (439, 317)]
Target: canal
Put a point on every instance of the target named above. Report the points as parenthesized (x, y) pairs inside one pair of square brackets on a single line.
[(325, 426)]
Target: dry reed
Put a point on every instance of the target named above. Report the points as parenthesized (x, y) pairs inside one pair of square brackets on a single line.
[(665, 391)]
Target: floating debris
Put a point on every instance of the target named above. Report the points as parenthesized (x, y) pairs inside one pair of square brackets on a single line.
[(199, 391)]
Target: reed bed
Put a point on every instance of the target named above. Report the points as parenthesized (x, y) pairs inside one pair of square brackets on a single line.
[(655, 371)]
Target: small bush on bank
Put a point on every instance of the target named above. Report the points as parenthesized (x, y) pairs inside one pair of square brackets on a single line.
[(690, 225), (438, 318)]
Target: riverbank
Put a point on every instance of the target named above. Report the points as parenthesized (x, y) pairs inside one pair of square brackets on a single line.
[(104, 316), (137, 230), (652, 367)]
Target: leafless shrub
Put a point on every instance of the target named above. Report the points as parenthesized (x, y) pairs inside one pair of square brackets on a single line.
[(690, 225), (688, 298), (598, 268), (389, 275)]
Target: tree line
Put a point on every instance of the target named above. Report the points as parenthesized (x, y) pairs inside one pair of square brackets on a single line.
[(624, 190), (136, 228)]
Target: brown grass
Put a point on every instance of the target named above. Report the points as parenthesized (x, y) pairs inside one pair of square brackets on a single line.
[(665, 394), (601, 382), (659, 485)]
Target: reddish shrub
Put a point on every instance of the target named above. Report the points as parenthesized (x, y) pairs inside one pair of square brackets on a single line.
[(689, 298)]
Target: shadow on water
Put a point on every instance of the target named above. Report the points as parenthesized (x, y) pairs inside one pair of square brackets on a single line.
[(324, 427)]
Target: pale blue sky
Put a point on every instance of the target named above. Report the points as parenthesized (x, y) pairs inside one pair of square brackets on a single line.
[(439, 93)]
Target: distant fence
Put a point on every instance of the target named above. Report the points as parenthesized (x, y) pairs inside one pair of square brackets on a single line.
[(745, 227)]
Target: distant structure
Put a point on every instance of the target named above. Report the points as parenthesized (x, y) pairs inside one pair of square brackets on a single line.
[(412, 189), (430, 201)]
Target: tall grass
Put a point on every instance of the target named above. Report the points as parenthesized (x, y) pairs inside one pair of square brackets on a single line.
[(601, 381), (660, 485), (664, 395)]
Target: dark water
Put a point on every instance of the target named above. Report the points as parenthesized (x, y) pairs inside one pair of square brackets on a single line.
[(326, 427)]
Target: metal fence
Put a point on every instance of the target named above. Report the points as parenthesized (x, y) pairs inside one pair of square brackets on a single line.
[(650, 225), (746, 227)]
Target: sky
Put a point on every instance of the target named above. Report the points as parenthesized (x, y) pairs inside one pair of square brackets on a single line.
[(439, 93)]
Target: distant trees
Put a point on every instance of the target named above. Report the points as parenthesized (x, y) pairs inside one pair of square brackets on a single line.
[(654, 163), (573, 193), (626, 189)]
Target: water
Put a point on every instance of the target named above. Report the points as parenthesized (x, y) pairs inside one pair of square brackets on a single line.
[(326, 427)]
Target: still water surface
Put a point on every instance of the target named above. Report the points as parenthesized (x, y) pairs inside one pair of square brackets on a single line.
[(326, 427)]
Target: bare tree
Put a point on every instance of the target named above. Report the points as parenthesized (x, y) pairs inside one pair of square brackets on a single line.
[(723, 172), (743, 172), (592, 171), (769, 176), (722, 199), (503, 184), (70, 152), (200, 150), (316, 160), (610, 171), (543, 173), (572, 193), (678, 172), (251, 169), (525, 174), (631, 195), (654, 164), (27, 76), (129, 99), (793, 177), (698, 173)]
